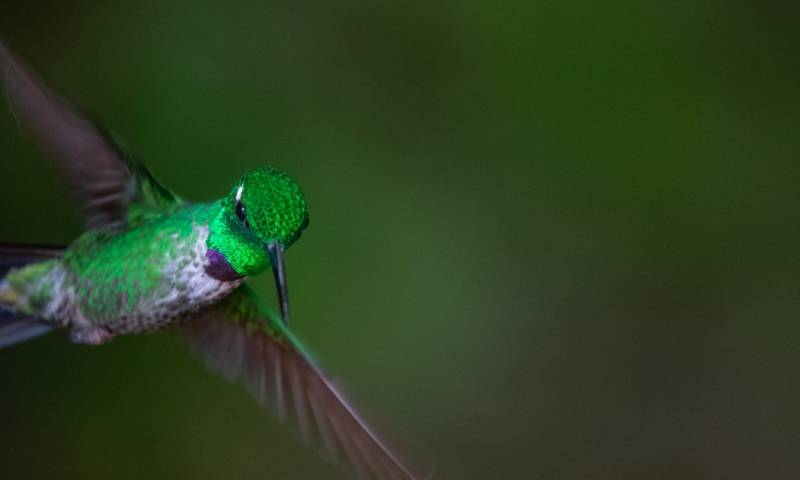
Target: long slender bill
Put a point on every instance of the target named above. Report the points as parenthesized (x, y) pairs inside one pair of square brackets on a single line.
[(276, 259)]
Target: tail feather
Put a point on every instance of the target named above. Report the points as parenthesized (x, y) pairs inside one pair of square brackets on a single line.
[(16, 328)]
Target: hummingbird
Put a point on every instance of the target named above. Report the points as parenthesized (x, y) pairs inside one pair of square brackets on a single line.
[(151, 260)]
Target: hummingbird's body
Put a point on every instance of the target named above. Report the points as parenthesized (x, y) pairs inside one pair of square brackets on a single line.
[(113, 281), (151, 260)]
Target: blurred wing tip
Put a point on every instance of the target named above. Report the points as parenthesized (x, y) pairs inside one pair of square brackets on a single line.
[(391, 462)]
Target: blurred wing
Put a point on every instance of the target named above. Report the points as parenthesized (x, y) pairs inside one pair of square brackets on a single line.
[(244, 340), (106, 181)]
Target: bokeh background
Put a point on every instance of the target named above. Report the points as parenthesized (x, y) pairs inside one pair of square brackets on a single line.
[(548, 239)]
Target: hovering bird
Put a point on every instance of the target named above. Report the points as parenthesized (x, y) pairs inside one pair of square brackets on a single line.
[(150, 260)]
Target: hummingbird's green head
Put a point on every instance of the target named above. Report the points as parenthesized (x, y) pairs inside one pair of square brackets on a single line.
[(265, 207), (268, 204), (264, 214)]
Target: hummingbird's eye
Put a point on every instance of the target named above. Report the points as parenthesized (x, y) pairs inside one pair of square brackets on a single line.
[(240, 213)]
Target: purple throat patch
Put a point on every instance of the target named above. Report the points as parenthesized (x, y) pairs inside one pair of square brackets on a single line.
[(218, 267)]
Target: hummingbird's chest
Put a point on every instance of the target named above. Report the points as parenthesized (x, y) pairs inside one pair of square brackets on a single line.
[(185, 287), (160, 279)]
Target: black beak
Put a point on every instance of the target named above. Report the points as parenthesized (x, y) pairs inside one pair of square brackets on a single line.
[(276, 259)]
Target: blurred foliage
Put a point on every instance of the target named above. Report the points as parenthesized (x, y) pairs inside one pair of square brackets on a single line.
[(547, 240)]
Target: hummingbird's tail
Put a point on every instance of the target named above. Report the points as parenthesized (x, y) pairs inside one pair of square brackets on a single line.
[(14, 327)]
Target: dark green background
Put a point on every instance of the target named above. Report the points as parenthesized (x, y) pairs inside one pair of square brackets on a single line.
[(548, 239)]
